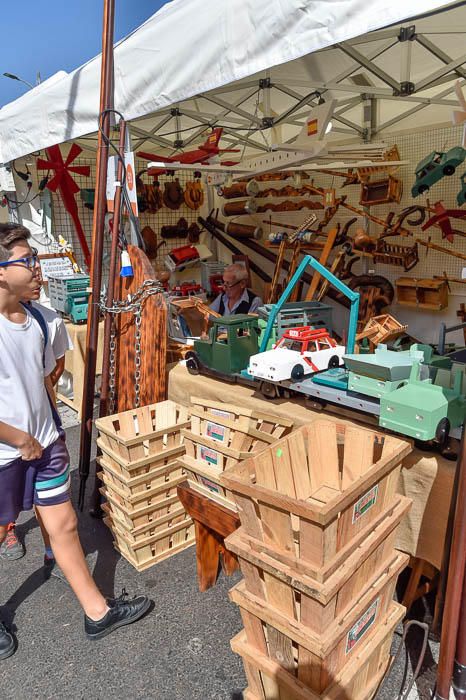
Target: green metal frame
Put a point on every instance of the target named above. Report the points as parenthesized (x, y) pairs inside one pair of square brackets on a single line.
[(353, 296)]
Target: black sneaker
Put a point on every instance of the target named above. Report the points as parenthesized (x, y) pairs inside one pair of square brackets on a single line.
[(7, 643), (122, 612)]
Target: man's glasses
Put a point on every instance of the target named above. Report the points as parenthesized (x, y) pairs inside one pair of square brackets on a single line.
[(230, 286), (30, 262)]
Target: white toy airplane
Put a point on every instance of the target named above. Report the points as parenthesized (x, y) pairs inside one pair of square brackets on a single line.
[(310, 145)]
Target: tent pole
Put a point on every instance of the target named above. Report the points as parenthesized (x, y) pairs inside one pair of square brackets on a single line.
[(112, 284), (456, 580), (459, 671), (106, 102)]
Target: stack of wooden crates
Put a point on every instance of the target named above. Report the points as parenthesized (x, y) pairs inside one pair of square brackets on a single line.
[(219, 437), (319, 514), (140, 470)]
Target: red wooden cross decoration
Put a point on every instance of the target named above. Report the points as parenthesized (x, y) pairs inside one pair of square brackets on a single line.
[(64, 183)]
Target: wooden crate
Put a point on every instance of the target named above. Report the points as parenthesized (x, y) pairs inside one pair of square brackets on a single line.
[(313, 496), (316, 659), (358, 681), (132, 439), (220, 436), (306, 600), (145, 555), (145, 490), (430, 294)]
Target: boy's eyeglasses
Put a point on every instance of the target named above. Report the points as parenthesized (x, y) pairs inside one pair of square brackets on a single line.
[(30, 262)]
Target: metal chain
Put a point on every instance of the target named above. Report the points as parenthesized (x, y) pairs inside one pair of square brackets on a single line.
[(133, 304), (111, 378), (137, 357)]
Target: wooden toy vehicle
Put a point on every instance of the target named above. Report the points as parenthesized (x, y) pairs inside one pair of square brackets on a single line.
[(300, 351), (231, 342), (461, 196), (186, 289), (425, 409), (383, 371), (435, 166)]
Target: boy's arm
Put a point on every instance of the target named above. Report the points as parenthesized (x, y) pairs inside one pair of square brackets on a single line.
[(27, 445), (58, 371), (49, 387)]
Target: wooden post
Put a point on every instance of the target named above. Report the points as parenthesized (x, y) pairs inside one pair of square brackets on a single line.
[(106, 103), (456, 577), (112, 275)]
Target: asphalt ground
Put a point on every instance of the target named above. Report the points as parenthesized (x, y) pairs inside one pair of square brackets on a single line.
[(180, 651)]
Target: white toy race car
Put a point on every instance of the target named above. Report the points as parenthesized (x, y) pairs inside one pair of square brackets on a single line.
[(300, 351)]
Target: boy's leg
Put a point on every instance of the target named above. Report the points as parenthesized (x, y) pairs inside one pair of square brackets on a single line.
[(60, 523), (7, 641), (51, 498)]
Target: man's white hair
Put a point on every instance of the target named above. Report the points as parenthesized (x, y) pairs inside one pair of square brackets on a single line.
[(239, 271)]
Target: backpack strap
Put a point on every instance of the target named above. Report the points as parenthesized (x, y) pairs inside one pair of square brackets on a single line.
[(36, 314)]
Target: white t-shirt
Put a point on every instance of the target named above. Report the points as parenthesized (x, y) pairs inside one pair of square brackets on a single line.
[(58, 335), (24, 403)]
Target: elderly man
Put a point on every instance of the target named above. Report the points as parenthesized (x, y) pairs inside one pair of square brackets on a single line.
[(236, 297)]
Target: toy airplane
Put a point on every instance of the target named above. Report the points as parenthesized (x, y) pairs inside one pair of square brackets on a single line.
[(310, 145), (441, 219), (204, 154)]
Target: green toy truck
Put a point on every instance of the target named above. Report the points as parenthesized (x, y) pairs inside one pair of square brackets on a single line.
[(435, 166), (425, 409), (231, 342), (461, 196)]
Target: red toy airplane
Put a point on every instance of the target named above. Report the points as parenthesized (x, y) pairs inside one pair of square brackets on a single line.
[(206, 151), (441, 219)]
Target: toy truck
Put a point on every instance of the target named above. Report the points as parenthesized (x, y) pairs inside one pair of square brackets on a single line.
[(299, 351), (226, 351), (70, 295), (425, 409)]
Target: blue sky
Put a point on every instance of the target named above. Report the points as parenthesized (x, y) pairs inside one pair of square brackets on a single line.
[(58, 35)]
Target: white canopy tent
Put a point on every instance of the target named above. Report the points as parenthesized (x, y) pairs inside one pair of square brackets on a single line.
[(252, 64)]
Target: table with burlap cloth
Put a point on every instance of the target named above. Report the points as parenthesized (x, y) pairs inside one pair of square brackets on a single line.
[(426, 477), (74, 362)]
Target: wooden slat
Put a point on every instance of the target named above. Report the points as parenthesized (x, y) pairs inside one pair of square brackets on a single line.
[(323, 455), (281, 460), (299, 465), (358, 454)]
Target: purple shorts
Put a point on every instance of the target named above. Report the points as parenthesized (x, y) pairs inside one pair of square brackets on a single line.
[(42, 482)]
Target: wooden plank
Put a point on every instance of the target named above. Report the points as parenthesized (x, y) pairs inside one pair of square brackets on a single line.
[(358, 454), (316, 277), (322, 453), (299, 465), (281, 460), (153, 381)]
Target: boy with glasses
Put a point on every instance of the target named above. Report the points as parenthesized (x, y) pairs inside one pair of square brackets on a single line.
[(34, 461)]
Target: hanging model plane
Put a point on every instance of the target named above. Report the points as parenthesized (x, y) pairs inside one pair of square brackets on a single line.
[(309, 146), (206, 152)]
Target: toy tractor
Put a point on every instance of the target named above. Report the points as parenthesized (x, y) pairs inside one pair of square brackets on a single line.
[(226, 351)]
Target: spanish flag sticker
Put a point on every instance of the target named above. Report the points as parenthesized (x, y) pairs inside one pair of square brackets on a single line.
[(312, 127)]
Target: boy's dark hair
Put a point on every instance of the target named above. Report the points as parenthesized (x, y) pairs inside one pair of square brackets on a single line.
[(9, 235)]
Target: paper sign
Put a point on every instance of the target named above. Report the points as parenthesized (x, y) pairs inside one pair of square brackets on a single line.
[(130, 184)]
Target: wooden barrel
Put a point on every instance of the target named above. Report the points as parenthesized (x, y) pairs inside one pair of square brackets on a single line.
[(240, 189), (243, 231), (245, 206)]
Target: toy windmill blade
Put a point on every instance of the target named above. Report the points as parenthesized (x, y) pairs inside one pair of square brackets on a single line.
[(73, 153), (55, 182), (69, 183), (80, 170), (459, 116)]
